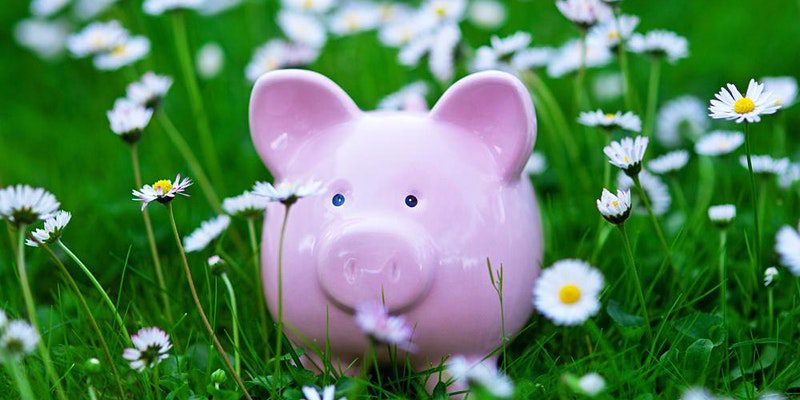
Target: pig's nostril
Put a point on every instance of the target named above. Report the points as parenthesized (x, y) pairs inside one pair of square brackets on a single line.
[(350, 271)]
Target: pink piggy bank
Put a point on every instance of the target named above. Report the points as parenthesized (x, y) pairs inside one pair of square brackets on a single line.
[(415, 203)]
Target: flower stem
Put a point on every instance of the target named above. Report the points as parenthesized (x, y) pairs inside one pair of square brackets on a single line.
[(637, 281), (27, 296), (652, 96), (654, 220), (17, 372), (151, 238), (195, 99), (199, 306), (754, 194), (262, 309), (723, 289), (86, 310), (631, 102), (155, 382), (98, 287), (579, 77), (279, 333), (235, 321)]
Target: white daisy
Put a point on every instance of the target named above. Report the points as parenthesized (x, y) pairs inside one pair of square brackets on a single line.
[(150, 347), (214, 7), (475, 372), (615, 209), (158, 7), (731, 105), (567, 58), (766, 165), (288, 192), (45, 38), (162, 191), (18, 339), (149, 90), (209, 60), (216, 265), (536, 164), (97, 37), (769, 275), (531, 58), (327, 393), (206, 233), (315, 6), (89, 9), (128, 119), (790, 176), (722, 215), (445, 11), (302, 28), (375, 321), (247, 205), (627, 154), (660, 44), (719, 143), (787, 245), (409, 97), (354, 17), (584, 13), (628, 121), (126, 53), (655, 189), (681, 117), (443, 48), (487, 14), (47, 8), (669, 162), (23, 204), (612, 32), (51, 232), (592, 384), (503, 52), (568, 292), (403, 31), (277, 54), (697, 393), (607, 86), (772, 396), (783, 89)]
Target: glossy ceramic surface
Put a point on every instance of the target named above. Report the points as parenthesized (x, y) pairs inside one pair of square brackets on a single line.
[(461, 162)]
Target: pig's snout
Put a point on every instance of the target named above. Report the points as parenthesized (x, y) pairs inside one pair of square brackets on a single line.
[(376, 260)]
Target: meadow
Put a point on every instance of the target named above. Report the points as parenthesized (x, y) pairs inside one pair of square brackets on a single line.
[(711, 328)]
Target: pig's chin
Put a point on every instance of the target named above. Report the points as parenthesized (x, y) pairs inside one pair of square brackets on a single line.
[(374, 261)]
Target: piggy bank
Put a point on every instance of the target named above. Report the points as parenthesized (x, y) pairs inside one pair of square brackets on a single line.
[(415, 203)]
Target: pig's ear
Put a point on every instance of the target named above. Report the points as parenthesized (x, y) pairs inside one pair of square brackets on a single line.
[(495, 107), (288, 107)]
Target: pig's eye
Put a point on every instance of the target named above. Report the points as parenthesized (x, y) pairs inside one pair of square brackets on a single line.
[(411, 201), (338, 199)]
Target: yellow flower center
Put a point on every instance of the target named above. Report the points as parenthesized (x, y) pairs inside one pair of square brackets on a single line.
[(615, 203), (613, 35), (626, 159), (118, 50), (744, 106), (352, 22), (569, 294), (440, 10), (308, 4), (778, 101), (164, 185), (609, 116)]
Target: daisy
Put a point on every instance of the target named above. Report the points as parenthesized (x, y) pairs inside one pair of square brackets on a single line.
[(315, 6), (354, 17), (722, 215), (681, 117), (655, 189), (608, 121), (158, 7), (568, 292), (209, 60), (162, 191), (592, 384), (719, 143), (790, 176), (24, 205), (375, 321), (247, 205), (47, 8), (475, 372), (206, 233), (409, 97), (149, 90), (96, 38), (128, 119), (669, 162), (89, 9), (531, 58), (217, 265), (501, 51), (302, 28), (150, 347), (445, 11), (51, 232), (697, 394), (288, 192), (615, 209), (45, 38), (769, 276), (403, 31), (440, 46), (627, 154), (536, 164), (607, 86), (612, 32), (766, 165), (277, 54), (487, 14), (328, 393), (18, 339), (787, 245), (584, 13), (126, 53), (783, 89), (731, 105), (567, 58), (660, 44)]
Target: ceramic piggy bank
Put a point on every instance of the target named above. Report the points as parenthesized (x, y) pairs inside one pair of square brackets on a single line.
[(415, 203)]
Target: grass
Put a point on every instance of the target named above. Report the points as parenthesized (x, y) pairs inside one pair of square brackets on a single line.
[(53, 133)]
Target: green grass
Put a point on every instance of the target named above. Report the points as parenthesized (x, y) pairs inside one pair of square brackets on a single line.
[(54, 134)]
